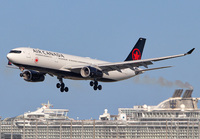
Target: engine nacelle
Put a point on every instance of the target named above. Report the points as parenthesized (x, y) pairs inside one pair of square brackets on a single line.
[(91, 72), (33, 76)]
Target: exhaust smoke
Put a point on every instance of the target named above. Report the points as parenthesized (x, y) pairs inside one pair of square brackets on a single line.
[(161, 82)]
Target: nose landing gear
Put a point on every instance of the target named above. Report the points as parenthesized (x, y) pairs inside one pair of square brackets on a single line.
[(61, 85), (95, 85)]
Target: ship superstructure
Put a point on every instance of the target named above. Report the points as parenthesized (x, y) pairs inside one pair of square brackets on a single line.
[(45, 113), (177, 118), (175, 108)]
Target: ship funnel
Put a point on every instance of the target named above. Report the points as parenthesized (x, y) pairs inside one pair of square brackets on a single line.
[(187, 94), (177, 93)]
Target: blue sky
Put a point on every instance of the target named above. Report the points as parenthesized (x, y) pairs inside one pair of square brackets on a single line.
[(105, 30)]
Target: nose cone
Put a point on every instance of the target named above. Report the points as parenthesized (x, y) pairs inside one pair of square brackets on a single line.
[(10, 57)]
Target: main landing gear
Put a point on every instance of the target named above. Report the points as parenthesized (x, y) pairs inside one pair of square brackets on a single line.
[(61, 85), (95, 85)]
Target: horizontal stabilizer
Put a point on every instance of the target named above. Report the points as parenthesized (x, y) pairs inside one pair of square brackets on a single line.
[(155, 68)]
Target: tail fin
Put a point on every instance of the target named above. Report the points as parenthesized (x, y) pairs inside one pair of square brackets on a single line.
[(136, 52)]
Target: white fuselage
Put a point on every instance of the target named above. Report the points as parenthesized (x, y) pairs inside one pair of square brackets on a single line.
[(59, 64)]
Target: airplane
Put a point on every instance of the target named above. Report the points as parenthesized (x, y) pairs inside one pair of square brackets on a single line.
[(35, 64)]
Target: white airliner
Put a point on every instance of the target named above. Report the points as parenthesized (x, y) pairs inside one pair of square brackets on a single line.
[(36, 63)]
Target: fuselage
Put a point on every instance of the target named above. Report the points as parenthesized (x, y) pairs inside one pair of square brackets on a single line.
[(59, 64)]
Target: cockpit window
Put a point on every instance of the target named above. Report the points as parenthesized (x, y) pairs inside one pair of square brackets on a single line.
[(15, 51)]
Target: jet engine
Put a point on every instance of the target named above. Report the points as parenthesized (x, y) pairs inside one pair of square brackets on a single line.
[(32, 76), (91, 72)]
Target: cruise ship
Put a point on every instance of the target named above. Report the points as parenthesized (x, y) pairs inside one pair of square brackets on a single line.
[(178, 117)]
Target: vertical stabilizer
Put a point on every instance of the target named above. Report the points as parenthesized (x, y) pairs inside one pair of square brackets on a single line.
[(137, 50)]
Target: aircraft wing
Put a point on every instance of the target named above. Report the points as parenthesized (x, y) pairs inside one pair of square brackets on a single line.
[(136, 63), (126, 64), (10, 65)]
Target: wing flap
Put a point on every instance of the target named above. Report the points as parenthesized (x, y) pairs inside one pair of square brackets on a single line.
[(154, 68), (123, 65)]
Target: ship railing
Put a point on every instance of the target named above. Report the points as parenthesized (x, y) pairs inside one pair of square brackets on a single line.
[(109, 123)]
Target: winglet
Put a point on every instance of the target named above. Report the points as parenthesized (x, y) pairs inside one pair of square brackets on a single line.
[(189, 52)]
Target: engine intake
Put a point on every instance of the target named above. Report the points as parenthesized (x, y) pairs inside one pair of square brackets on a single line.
[(33, 76), (91, 72)]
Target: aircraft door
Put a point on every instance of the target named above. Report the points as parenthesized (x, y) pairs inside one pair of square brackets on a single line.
[(56, 59), (28, 55)]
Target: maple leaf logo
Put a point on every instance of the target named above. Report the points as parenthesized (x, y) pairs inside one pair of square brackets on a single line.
[(36, 60), (136, 55)]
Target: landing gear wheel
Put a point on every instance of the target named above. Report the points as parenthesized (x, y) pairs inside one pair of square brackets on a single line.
[(96, 83), (58, 85), (62, 85), (66, 89), (91, 83), (61, 89), (99, 87), (95, 87)]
